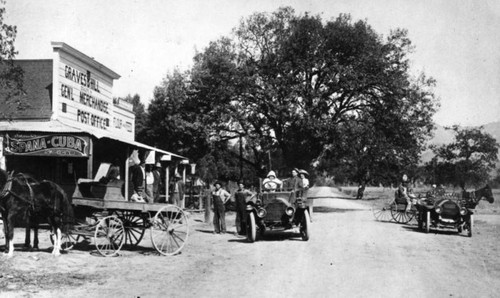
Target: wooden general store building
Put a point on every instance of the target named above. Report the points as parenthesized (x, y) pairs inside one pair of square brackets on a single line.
[(72, 125)]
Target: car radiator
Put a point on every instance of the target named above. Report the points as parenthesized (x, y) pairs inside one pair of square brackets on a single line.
[(275, 210)]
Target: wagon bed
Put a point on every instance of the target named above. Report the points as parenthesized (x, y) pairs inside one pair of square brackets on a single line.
[(117, 204), (112, 222)]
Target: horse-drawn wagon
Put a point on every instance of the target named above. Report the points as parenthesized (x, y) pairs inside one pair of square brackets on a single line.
[(111, 221), (396, 209)]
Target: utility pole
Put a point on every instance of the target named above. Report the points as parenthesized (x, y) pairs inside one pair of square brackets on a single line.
[(241, 157)]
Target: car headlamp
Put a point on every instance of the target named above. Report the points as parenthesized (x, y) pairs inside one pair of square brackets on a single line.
[(261, 213), (438, 210), (463, 211), (289, 211)]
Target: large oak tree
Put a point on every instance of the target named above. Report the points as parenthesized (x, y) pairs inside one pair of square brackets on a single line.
[(306, 92), (296, 85)]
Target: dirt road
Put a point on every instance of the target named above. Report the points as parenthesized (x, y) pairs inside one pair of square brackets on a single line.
[(349, 255)]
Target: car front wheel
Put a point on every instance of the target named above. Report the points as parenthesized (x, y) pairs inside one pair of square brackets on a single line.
[(304, 226), (251, 228)]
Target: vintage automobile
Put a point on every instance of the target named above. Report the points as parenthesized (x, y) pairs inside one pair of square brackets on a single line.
[(277, 210), (451, 211)]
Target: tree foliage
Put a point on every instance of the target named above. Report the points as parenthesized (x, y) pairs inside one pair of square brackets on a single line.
[(333, 94), (140, 114), (11, 76), (468, 161), (171, 120), (298, 87)]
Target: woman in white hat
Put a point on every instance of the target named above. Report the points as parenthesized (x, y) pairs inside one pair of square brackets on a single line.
[(303, 174), (271, 183)]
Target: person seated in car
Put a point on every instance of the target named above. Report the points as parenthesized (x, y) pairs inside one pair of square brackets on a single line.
[(271, 183)]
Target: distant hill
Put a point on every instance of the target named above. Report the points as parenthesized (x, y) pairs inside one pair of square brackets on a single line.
[(443, 136)]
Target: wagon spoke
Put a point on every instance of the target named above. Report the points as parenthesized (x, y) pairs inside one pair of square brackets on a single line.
[(109, 236), (170, 232)]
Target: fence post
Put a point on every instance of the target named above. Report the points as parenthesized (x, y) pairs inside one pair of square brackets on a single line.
[(208, 199)]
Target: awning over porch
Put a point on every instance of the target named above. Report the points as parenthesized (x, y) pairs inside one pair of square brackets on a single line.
[(55, 126)]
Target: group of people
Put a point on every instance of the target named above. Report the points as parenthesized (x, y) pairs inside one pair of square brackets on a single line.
[(145, 181), (219, 199), (146, 184), (298, 183)]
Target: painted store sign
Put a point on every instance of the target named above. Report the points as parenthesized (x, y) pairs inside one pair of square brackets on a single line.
[(46, 145), (83, 89)]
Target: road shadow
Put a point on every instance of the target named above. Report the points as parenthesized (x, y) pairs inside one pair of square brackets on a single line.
[(434, 231), (323, 209), (205, 231)]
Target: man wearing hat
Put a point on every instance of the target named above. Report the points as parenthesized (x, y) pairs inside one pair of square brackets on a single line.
[(242, 196), (219, 198), (296, 183), (156, 182), (177, 190)]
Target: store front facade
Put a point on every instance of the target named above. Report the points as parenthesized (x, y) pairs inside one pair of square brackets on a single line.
[(71, 124)]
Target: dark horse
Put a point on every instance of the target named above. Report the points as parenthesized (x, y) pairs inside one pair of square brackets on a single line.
[(471, 199), (22, 195)]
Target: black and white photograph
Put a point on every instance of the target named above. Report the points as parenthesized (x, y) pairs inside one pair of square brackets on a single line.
[(235, 148)]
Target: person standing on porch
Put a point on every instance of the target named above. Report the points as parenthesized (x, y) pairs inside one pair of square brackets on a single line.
[(157, 182), (219, 198), (149, 183), (177, 190), (137, 182)]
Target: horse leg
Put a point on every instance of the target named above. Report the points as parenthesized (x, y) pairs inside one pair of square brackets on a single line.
[(35, 236), (57, 241), (9, 234), (5, 231), (27, 237)]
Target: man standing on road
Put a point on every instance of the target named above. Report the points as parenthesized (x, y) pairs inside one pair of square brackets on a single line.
[(219, 198), (242, 196)]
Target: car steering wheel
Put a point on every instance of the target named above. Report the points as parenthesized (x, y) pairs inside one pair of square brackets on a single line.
[(270, 185)]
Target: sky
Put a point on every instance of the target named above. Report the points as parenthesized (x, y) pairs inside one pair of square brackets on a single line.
[(457, 42)]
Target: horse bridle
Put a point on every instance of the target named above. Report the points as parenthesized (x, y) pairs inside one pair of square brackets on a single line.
[(7, 190)]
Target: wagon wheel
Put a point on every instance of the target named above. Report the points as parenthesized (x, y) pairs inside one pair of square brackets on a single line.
[(169, 230), (135, 226), (109, 236), (251, 228), (399, 213), (304, 226), (413, 215), (382, 213)]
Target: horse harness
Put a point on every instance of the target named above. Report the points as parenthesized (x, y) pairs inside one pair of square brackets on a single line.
[(7, 190)]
